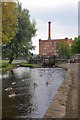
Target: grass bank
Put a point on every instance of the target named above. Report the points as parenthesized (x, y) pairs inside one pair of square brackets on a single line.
[(5, 66), (25, 64)]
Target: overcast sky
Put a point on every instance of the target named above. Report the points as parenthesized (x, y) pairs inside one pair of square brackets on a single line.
[(63, 15)]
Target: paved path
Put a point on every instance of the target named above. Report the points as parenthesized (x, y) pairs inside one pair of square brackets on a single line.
[(79, 90), (72, 102)]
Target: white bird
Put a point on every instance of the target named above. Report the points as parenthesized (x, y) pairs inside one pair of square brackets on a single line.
[(22, 80), (12, 95), (18, 65), (13, 83), (54, 66), (9, 88)]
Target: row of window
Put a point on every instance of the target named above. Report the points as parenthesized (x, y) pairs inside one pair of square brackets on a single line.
[(48, 43), (49, 54), (50, 48)]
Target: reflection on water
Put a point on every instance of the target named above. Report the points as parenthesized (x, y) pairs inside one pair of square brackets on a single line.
[(27, 93)]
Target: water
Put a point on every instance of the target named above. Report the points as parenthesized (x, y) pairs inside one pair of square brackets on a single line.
[(27, 93)]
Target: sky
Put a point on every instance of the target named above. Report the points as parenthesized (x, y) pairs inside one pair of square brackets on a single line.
[(63, 15)]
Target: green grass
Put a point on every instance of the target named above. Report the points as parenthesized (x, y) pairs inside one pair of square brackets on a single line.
[(25, 64), (10, 66), (5, 66), (3, 63)]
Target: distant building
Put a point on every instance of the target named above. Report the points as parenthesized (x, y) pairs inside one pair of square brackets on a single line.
[(48, 47)]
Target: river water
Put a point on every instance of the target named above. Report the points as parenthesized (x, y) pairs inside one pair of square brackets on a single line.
[(27, 92)]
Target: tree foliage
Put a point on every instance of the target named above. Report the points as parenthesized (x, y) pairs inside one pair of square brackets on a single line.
[(21, 44), (63, 49), (9, 21), (0, 23), (75, 48)]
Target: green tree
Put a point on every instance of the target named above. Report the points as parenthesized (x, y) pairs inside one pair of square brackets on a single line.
[(75, 48), (9, 21), (21, 45), (63, 49)]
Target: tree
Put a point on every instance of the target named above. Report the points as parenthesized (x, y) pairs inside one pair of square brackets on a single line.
[(9, 21), (75, 48), (21, 45), (0, 24), (63, 49)]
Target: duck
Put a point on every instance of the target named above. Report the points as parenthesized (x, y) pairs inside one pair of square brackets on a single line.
[(8, 89), (35, 84), (18, 65), (50, 75), (22, 80), (47, 83), (54, 66), (13, 83), (41, 75), (12, 95)]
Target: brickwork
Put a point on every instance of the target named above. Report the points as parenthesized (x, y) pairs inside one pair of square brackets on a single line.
[(48, 47)]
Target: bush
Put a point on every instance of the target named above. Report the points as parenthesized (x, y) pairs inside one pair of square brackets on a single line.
[(3, 64)]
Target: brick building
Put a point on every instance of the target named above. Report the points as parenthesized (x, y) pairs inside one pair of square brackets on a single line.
[(48, 47)]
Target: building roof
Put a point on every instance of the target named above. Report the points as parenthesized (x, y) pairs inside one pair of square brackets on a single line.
[(69, 41)]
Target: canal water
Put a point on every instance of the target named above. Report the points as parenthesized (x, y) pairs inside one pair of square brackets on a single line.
[(27, 92)]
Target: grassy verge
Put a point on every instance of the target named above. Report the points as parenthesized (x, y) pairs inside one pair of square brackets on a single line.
[(24, 64), (5, 66), (10, 66)]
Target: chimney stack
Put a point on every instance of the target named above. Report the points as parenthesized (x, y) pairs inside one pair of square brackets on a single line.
[(49, 30)]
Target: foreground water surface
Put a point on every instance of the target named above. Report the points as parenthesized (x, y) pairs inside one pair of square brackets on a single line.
[(27, 93)]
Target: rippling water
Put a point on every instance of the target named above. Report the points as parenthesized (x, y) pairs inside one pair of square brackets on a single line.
[(27, 92)]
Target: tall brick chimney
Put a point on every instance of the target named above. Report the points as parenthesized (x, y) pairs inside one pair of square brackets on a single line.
[(49, 30)]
